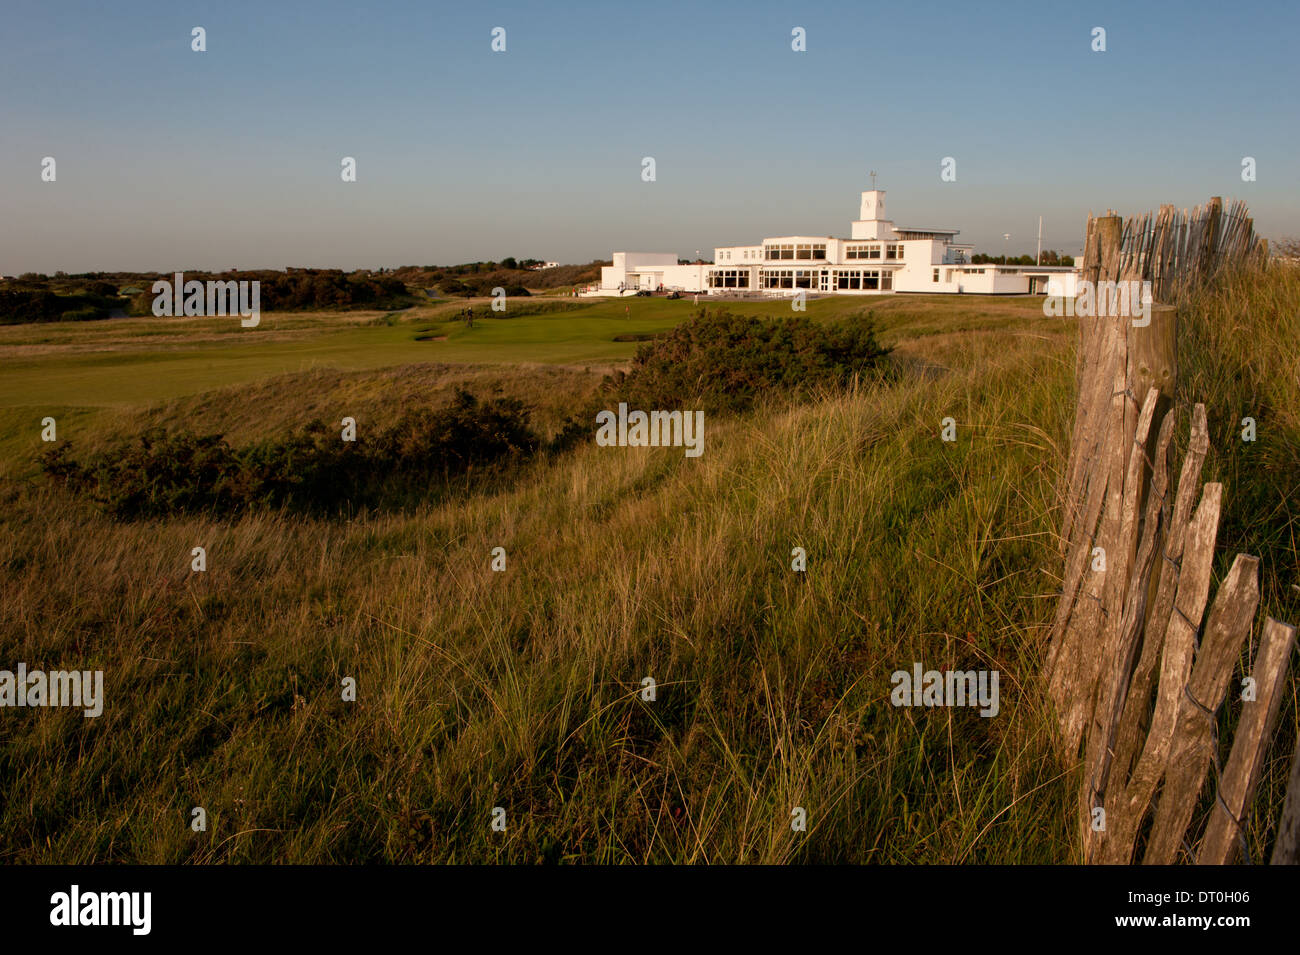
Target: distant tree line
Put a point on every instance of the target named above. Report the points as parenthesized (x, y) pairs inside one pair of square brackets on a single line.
[(1049, 257), (515, 275), (33, 297), (38, 297), (20, 305), (302, 290), (480, 287)]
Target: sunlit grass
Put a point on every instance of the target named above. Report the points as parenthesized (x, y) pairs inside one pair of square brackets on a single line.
[(522, 689)]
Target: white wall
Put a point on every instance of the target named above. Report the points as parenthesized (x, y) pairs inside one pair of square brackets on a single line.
[(862, 229), (919, 277), (1005, 283), (1063, 284), (635, 260), (735, 254), (685, 278), (922, 251), (989, 280), (612, 276)]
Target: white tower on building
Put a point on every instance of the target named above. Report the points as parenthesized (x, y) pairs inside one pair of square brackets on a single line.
[(871, 222)]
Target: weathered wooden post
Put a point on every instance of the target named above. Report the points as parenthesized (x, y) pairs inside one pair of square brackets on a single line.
[(1246, 761), (1153, 356), (1138, 562), (1074, 659)]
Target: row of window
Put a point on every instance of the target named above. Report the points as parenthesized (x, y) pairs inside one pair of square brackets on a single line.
[(862, 251), (729, 278), (864, 279), (859, 279), (778, 251), (892, 251), (787, 278), (813, 252), (807, 278)]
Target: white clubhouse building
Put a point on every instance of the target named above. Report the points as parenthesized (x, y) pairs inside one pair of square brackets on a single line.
[(878, 258)]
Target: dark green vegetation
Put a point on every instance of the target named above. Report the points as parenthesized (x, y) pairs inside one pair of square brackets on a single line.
[(302, 290), (22, 305), (34, 297), (160, 474), (717, 362), (724, 362), (1048, 257), (480, 278)]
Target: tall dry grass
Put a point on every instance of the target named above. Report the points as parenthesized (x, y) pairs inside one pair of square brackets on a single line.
[(1239, 353), (522, 689)]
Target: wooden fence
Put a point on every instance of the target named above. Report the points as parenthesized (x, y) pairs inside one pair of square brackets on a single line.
[(1135, 667)]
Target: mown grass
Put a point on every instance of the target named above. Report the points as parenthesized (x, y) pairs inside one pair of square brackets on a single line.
[(94, 377), (521, 689), (135, 361)]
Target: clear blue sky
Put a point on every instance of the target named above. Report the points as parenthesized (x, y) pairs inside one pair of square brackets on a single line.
[(169, 159)]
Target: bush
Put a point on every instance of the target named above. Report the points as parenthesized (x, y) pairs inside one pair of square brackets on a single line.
[(481, 287), (84, 315), (454, 287), (19, 306), (723, 362), (160, 474), (157, 474)]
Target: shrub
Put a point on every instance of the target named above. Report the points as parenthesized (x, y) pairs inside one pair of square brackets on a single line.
[(38, 305), (725, 361), (84, 315), (160, 474), (454, 287), (42, 305), (156, 474)]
